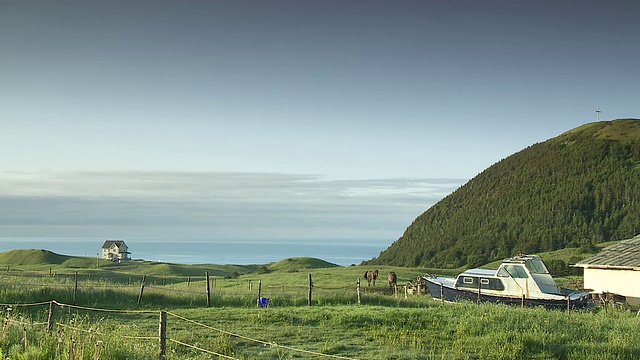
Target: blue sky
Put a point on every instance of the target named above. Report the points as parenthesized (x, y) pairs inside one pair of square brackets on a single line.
[(286, 119)]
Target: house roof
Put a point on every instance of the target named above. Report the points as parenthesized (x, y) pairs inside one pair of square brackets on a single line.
[(107, 244), (623, 255)]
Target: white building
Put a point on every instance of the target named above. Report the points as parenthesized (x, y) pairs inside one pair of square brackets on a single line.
[(115, 250), (615, 270)]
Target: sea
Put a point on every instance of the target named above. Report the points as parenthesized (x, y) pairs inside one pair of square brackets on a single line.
[(237, 252)]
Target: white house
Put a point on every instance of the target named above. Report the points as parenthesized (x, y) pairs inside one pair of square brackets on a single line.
[(615, 270), (115, 250)]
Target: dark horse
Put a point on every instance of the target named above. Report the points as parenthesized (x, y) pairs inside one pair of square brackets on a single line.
[(393, 280), (371, 276)]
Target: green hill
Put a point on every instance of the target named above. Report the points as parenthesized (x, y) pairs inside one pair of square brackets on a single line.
[(32, 257), (578, 189), (170, 269), (300, 263), (35, 259)]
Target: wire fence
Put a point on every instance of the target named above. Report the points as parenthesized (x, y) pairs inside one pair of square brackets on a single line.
[(81, 289), (164, 335)]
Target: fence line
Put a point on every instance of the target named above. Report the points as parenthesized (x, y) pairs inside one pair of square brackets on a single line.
[(162, 339), (102, 310), (174, 287), (285, 294), (62, 286), (26, 305), (218, 330), (255, 340)]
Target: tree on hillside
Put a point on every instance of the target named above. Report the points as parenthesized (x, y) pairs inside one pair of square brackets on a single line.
[(578, 189)]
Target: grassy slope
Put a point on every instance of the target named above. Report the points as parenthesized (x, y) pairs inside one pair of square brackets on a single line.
[(383, 327), (41, 260), (547, 196), (34, 260), (32, 257), (282, 274), (300, 263)]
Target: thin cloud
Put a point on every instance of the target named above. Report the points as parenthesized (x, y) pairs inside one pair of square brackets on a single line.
[(213, 205)]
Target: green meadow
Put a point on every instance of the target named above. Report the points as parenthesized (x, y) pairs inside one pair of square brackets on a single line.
[(100, 314)]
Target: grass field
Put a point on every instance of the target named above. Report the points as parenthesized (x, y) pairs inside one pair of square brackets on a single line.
[(107, 322)]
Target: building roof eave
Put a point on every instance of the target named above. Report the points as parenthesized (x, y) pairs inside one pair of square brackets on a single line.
[(607, 267)]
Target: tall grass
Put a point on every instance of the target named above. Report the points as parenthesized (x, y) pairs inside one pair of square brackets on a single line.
[(382, 327), (24, 336)]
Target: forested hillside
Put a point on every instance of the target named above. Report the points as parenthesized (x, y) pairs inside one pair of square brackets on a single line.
[(578, 189)]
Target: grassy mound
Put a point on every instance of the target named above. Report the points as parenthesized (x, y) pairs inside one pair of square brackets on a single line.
[(143, 267), (32, 257), (300, 263)]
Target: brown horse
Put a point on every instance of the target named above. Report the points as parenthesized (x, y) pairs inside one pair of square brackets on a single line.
[(393, 280), (371, 276)]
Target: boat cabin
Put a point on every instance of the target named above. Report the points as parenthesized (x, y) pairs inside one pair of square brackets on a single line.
[(521, 275), (479, 278), (522, 280)]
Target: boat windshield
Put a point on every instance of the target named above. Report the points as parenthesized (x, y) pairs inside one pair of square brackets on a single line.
[(516, 271), (536, 266)]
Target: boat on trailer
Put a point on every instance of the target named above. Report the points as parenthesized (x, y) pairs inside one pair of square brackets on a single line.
[(521, 280)]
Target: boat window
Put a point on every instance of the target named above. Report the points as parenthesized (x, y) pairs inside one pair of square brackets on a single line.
[(536, 266), (516, 271), (471, 282), (503, 273)]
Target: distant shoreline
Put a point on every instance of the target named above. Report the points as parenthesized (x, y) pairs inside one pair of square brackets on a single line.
[(190, 252)]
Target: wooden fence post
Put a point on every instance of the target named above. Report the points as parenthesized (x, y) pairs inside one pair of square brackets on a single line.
[(162, 335), (259, 291), (144, 278), (358, 291), (75, 289), (249, 285), (188, 281), (310, 289), (395, 290), (51, 317), (206, 274)]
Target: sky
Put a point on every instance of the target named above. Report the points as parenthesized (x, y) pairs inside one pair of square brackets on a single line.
[(286, 119)]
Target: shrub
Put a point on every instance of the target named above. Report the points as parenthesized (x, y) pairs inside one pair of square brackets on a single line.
[(263, 270), (557, 267)]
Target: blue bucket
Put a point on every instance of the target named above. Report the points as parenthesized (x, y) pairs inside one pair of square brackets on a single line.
[(263, 302)]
